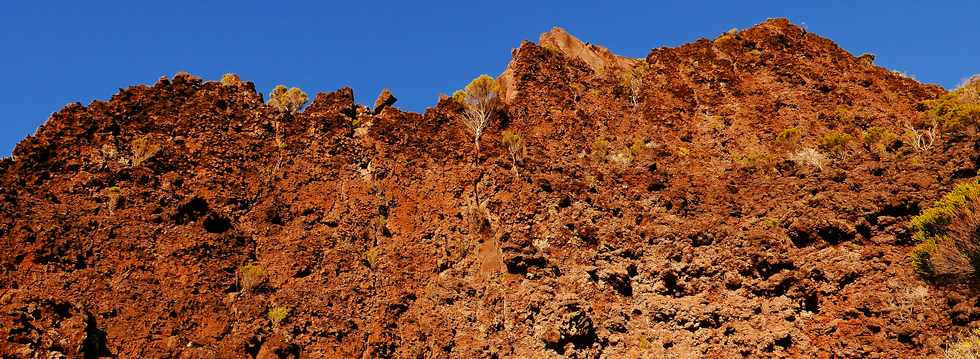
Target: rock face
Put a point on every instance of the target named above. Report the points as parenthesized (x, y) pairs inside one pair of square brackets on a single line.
[(683, 225), (598, 58), (385, 99)]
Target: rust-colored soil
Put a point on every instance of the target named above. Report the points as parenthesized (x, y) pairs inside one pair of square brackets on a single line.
[(678, 227)]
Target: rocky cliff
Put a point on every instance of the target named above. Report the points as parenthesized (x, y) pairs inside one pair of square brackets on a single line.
[(731, 204)]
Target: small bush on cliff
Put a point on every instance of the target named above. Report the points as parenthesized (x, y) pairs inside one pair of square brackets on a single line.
[(789, 138), (877, 138), (809, 157), (287, 101), (967, 346), (752, 160), (231, 79), (636, 150), (958, 109), (632, 80), (277, 314), (515, 147), (114, 198), (835, 142), (948, 245), (143, 148), (480, 100), (599, 150), (250, 276), (921, 137)]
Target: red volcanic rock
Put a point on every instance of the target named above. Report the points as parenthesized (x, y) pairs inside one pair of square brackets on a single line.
[(678, 226)]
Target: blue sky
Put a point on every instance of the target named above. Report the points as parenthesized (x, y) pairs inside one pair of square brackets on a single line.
[(58, 52)]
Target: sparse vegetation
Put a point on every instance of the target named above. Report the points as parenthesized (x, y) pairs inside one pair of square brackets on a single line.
[(600, 149), (810, 157), (632, 80), (789, 138), (958, 109), (948, 246), (967, 346), (877, 138), (250, 276), (143, 149), (867, 58), (287, 101), (480, 100), (231, 79), (834, 142), (636, 150), (753, 159), (920, 139), (683, 151), (277, 314), (515, 147), (843, 114), (114, 196)]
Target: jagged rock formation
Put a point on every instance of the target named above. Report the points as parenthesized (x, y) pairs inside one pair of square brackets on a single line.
[(683, 225), (598, 58)]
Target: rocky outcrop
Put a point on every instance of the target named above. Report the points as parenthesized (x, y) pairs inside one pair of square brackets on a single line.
[(679, 224), (598, 58)]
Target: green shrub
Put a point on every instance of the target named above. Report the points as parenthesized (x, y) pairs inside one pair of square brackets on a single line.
[(231, 79), (481, 100), (920, 257), (958, 109), (834, 142), (933, 221), (967, 346), (631, 79), (878, 138), (752, 159), (636, 150), (250, 276), (683, 151), (371, 256), (277, 314), (947, 235), (843, 114), (789, 138), (288, 101)]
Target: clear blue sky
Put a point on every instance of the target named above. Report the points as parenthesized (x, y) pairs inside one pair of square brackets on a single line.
[(56, 52)]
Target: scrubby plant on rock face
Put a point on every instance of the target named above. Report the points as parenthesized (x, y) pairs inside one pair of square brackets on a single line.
[(751, 160), (948, 235), (967, 346), (600, 149), (958, 109), (834, 142), (632, 80), (114, 198), (809, 157), (143, 149), (231, 79), (480, 100), (921, 137), (287, 100), (515, 147), (877, 138), (250, 276), (277, 314), (789, 138)]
